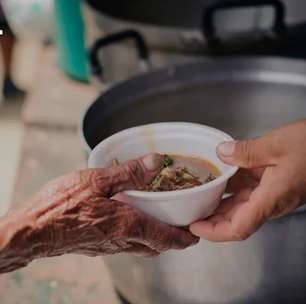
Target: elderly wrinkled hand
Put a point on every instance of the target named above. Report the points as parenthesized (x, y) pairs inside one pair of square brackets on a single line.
[(270, 183), (77, 213)]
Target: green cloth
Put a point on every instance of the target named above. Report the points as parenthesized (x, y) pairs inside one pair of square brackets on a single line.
[(70, 39)]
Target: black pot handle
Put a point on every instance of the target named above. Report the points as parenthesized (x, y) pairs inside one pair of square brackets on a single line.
[(210, 11), (130, 34)]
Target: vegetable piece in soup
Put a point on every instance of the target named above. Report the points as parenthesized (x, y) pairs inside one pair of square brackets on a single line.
[(182, 172)]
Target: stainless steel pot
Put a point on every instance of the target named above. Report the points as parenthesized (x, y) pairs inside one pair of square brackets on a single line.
[(187, 15), (243, 97), (181, 31)]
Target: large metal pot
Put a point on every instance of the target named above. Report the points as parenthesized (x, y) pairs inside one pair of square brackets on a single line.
[(179, 31), (243, 97), (186, 14)]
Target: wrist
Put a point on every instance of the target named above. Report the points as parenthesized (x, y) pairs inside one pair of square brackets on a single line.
[(10, 225), (18, 246)]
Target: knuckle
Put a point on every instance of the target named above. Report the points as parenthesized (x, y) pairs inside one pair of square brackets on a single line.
[(132, 167), (133, 170), (94, 179), (246, 150)]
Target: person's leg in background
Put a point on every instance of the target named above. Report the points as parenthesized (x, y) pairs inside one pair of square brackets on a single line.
[(7, 43)]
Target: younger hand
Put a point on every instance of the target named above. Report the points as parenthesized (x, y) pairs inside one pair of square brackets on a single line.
[(271, 183)]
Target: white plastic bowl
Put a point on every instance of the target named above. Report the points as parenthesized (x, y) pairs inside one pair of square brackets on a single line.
[(182, 207)]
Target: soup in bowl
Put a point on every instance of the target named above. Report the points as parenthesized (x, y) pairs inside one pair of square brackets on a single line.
[(193, 180)]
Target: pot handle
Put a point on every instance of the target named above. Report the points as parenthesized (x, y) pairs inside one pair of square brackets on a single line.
[(130, 34), (208, 27)]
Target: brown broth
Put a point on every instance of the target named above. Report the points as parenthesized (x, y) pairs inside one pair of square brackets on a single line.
[(197, 166)]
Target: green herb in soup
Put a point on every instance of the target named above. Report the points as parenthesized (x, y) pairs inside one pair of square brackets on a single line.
[(168, 161), (182, 172)]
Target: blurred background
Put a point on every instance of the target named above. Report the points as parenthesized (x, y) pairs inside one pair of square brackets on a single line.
[(22, 65)]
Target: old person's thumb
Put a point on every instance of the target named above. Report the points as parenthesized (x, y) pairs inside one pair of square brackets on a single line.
[(247, 154), (143, 169)]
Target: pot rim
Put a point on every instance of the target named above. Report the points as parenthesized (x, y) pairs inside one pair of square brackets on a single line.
[(295, 67)]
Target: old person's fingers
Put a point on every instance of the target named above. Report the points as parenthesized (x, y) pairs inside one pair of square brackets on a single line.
[(159, 236), (141, 250), (130, 175)]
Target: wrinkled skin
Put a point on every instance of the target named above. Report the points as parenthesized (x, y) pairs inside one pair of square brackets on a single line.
[(75, 214), (271, 183)]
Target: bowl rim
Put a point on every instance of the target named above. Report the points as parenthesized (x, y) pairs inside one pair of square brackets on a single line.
[(183, 192)]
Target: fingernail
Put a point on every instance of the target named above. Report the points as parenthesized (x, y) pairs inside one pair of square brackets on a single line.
[(152, 162), (227, 148)]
